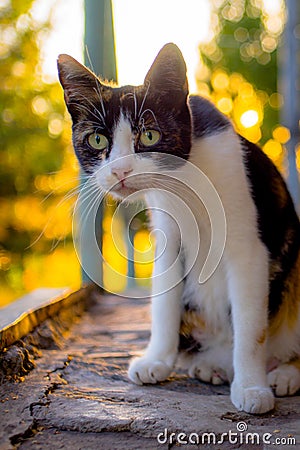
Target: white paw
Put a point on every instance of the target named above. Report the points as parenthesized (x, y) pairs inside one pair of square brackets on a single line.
[(253, 400), (145, 370), (284, 380), (208, 374)]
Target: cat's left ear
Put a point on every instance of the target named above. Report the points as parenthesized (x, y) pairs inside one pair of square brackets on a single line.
[(167, 74), (77, 81)]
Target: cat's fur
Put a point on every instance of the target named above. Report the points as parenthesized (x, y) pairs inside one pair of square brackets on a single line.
[(243, 324)]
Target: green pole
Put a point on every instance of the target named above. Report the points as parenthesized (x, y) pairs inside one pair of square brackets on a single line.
[(100, 58), (99, 38), (289, 77)]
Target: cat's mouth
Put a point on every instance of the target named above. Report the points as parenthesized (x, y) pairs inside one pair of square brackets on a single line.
[(123, 189)]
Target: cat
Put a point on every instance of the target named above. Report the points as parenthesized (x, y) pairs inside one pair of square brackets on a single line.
[(242, 324)]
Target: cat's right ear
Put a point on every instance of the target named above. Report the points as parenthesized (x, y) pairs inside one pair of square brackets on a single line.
[(167, 75), (78, 82)]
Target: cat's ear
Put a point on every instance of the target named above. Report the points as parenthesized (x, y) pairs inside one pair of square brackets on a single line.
[(78, 82), (167, 75)]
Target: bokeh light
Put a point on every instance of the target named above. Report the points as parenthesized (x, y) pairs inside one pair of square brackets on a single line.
[(249, 118)]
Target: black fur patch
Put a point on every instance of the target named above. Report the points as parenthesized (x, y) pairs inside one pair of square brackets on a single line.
[(278, 222), (207, 119), (188, 344)]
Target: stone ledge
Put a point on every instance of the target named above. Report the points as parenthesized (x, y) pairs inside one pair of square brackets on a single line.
[(37, 321), (79, 395), (21, 317)]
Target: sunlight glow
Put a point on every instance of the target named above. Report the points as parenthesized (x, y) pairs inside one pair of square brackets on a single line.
[(249, 118), (142, 28), (66, 35), (272, 6)]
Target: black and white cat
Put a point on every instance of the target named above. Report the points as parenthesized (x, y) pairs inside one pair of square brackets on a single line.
[(242, 324)]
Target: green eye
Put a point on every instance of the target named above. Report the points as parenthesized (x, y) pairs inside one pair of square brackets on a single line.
[(98, 141), (150, 137)]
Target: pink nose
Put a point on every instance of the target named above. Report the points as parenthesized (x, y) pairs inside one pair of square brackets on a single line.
[(121, 173)]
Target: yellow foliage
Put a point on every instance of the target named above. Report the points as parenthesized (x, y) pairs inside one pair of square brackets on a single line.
[(60, 268), (298, 157), (115, 264), (144, 253)]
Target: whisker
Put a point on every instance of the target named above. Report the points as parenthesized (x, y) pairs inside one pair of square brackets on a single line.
[(71, 194), (171, 185), (98, 91), (70, 180), (54, 191), (98, 85), (88, 122), (55, 244), (89, 58), (133, 96), (91, 207), (144, 99), (153, 115), (89, 111)]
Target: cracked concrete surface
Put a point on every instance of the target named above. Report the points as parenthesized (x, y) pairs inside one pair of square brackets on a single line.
[(79, 397)]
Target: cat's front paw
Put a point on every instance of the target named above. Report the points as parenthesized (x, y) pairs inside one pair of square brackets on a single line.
[(146, 370), (253, 400), (208, 373), (284, 380)]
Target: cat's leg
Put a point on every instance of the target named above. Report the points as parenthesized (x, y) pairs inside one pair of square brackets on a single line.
[(159, 358), (248, 290), (285, 379)]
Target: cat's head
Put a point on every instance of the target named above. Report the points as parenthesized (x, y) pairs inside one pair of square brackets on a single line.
[(121, 134)]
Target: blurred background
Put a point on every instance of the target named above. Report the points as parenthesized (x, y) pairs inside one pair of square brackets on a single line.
[(238, 54)]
